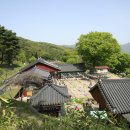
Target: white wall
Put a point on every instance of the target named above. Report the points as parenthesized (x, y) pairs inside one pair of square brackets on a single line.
[(101, 70)]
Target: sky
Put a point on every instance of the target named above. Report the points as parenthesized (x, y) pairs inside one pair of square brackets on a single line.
[(63, 21)]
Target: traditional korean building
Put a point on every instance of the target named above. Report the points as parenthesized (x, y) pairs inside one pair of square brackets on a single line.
[(51, 98), (42, 64), (114, 95), (71, 70)]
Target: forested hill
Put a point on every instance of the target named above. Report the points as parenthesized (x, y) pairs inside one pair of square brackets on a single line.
[(70, 46), (31, 50), (126, 48)]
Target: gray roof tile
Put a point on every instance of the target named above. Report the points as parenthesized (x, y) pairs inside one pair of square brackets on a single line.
[(50, 94), (79, 67), (116, 93)]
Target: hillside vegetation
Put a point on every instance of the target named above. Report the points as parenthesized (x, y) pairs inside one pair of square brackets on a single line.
[(17, 115), (31, 50)]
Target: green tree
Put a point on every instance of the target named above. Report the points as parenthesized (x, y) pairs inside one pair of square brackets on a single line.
[(32, 59), (98, 48), (21, 56), (71, 57), (8, 45), (123, 63)]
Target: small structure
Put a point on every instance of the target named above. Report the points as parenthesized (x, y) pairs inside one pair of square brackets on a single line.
[(113, 94), (71, 70), (50, 98), (100, 69)]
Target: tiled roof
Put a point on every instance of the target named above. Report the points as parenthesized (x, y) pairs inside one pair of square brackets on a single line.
[(79, 67), (44, 74), (35, 74), (51, 94), (116, 93), (42, 61)]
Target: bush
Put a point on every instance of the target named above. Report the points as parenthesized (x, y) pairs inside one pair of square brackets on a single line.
[(128, 76), (16, 115)]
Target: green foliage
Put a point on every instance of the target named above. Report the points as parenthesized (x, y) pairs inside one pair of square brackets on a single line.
[(1, 72), (128, 76), (7, 71), (32, 59), (123, 63), (21, 56), (10, 121), (96, 48), (8, 46), (15, 115), (45, 50), (71, 57)]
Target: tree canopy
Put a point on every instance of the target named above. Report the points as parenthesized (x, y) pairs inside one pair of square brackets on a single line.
[(98, 48), (123, 63), (8, 45)]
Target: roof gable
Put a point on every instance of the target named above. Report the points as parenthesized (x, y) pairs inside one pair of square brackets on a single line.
[(41, 61)]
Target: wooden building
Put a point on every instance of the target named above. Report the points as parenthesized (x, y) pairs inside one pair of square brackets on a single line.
[(71, 70), (51, 98), (114, 95), (42, 64)]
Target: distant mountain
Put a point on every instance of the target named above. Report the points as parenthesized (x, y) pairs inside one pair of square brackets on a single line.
[(126, 48), (70, 46)]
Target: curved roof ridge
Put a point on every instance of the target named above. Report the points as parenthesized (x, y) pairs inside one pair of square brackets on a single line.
[(48, 85), (42, 61), (60, 91)]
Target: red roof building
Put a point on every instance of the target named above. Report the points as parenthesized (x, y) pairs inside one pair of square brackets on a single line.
[(100, 69), (41, 64)]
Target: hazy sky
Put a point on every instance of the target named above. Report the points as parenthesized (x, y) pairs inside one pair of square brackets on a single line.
[(63, 21)]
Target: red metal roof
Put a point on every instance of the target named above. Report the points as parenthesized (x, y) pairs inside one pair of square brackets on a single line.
[(101, 67)]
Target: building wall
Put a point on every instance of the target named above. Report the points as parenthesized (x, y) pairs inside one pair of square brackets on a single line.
[(47, 68), (101, 70), (43, 67), (99, 98)]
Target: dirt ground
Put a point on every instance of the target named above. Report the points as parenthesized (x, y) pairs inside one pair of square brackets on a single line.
[(79, 88)]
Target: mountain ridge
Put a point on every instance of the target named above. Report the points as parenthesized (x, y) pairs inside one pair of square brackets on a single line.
[(126, 48)]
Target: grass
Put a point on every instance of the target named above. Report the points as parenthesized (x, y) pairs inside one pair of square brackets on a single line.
[(11, 92), (6, 71)]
